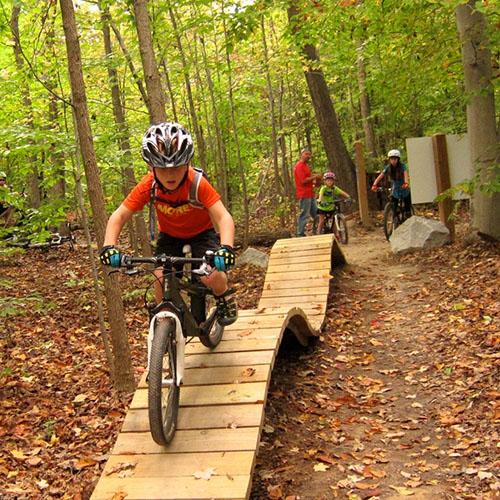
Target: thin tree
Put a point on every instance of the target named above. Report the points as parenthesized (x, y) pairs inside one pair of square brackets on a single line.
[(123, 376), (156, 98), (328, 123), (241, 167), (34, 185), (123, 136)]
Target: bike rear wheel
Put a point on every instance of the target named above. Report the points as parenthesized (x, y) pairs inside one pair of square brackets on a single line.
[(342, 228), (389, 223), (163, 391), (214, 335)]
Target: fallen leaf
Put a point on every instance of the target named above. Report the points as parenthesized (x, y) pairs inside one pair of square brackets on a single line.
[(320, 467), (244, 333), (204, 474), (248, 372), (80, 398), (403, 491), (121, 466)]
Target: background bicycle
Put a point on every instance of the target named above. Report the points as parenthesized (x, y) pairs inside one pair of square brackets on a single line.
[(394, 217), (335, 222)]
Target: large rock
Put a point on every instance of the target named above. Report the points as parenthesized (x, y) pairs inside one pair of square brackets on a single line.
[(254, 257), (419, 233)]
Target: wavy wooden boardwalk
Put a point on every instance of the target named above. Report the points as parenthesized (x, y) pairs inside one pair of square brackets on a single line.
[(224, 394)]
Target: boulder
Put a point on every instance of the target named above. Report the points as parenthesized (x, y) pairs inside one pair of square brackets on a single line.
[(254, 257), (419, 233)]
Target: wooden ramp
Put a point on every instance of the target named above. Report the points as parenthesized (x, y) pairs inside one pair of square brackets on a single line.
[(224, 393)]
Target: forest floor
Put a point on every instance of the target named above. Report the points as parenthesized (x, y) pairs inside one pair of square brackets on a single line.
[(398, 397)]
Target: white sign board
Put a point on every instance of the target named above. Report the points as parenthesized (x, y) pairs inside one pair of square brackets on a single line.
[(422, 171)]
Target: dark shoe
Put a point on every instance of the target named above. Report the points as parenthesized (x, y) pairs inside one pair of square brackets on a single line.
[(227, 310)]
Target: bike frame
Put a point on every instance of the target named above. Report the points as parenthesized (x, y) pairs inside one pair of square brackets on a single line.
[(171, 291)]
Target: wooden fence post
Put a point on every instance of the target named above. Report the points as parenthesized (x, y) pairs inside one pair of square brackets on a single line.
[(361, 183), (443, 180)]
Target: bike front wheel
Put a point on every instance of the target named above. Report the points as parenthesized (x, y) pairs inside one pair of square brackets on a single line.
[(389, 225), (163, 391), (342, 229)]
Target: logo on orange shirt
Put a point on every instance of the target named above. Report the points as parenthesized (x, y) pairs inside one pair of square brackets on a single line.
[(173, 211)]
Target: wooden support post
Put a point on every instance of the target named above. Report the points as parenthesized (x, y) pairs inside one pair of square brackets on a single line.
[(443, 180), (361, 182)]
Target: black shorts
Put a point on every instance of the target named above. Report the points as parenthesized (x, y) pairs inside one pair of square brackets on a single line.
[(208, 240)]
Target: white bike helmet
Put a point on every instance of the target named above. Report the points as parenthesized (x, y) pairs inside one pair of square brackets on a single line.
[(394, 153), (167, 145)]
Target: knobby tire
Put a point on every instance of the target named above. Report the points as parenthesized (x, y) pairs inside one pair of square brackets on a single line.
[(388, 221), (342, 229), (163, 402)]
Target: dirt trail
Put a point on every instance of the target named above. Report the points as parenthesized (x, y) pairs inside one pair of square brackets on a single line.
[(356, 415)]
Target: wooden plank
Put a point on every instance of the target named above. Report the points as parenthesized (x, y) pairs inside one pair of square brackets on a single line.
[(325, 239), (221, 375), (296, 267), (293, 301), (206, 395), (324, 257), (296, 275), (229, 359), (236, 345), (295, 292), (234, 463), (205, 440), (203, 417), (287, 285), (136, 488), (257, 333)]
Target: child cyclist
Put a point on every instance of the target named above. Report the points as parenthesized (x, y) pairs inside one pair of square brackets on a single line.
[(168, 148), (329, 195), (398, 173)]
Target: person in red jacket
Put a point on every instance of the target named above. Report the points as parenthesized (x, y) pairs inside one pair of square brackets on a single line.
[(304, 187)]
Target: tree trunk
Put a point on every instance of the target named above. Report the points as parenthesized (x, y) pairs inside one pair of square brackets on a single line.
[(151, 74), (481, 123), (200, 141), (123, 376), (334, 145), (221, 156), (139, 232), (278, 182), (169, 88), (365, 105), (241, 167), (131, 66), (33, 183)]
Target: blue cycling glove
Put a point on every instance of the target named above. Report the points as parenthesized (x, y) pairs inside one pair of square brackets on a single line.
[(110, 256), (224, 258)]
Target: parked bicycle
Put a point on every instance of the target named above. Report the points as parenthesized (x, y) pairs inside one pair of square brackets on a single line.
[(171, 323), (394, 218), (335, 223), (53, 240)]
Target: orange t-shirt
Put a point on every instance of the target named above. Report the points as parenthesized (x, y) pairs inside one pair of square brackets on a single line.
[(183, 221)]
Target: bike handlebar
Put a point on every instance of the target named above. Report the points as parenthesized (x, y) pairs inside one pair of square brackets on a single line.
[(130, 261)]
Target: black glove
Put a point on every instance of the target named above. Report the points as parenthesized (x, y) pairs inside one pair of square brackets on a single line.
[(110, 256), (224, 258)]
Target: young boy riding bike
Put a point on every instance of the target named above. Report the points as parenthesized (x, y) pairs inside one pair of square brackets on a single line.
[(168, 148), (328, 196)]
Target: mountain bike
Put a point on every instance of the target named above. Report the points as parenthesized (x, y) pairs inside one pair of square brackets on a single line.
[(53, 240), (394, 219), (173, 323), (335, 223)]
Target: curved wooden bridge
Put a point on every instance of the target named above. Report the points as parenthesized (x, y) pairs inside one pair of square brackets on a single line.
[(222, 401)]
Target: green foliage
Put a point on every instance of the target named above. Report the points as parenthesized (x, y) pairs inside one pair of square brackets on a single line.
[(413, 79), (12, 306)]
